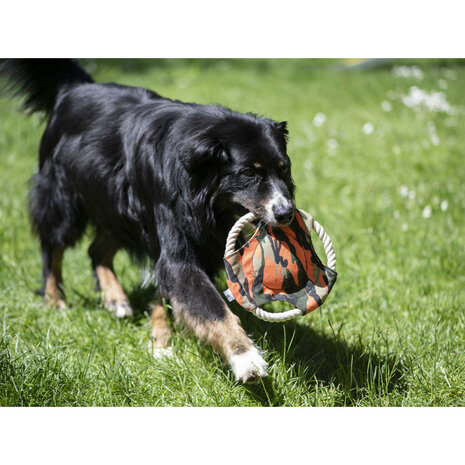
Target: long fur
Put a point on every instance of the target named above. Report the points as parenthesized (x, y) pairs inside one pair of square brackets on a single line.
[(160, 178)]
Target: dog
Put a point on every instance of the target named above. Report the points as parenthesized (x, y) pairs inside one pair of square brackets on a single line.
[(164, 180)]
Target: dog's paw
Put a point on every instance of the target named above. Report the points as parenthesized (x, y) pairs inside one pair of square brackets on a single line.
[(160, 352), (120, 308), (55, 303), (60, 303), (248, 366)]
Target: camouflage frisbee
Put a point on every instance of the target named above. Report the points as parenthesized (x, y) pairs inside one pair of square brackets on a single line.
[(279, 264)]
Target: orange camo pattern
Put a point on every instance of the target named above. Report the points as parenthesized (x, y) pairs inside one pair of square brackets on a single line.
[(280, 264)]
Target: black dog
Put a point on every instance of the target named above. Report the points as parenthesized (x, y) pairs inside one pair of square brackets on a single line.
[(160, 178)]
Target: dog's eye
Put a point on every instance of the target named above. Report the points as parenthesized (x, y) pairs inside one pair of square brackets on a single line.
[(248, 172)]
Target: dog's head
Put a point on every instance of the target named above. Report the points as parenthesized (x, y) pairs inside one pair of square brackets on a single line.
[(245, 158)]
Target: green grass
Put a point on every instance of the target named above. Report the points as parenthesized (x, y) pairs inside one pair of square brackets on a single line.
[(390, 334)]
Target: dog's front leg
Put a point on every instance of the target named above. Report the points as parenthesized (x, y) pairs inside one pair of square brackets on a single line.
[(197, 303)]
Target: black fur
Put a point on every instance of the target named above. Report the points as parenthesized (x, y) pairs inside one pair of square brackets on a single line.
[(161, 178)]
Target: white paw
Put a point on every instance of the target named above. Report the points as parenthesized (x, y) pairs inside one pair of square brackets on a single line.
[(121, 309), (160, 352), (248, 366)]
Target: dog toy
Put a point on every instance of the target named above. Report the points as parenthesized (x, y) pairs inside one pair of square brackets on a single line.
[(279, 264)]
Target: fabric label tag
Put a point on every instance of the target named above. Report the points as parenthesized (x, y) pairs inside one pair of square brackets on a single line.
[(228, 295)]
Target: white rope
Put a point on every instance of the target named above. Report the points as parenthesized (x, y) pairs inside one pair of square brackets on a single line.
[(230, 249), (276, 317), (235, 231), (328, 245)]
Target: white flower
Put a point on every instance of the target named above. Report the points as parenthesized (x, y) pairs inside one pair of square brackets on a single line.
[(435, 139), (403, 191), (427, 212), (386, 106), (396, 215), (308, 165), (449, 73), (333, 144), (368, 128), (319, 119), (411, 195), (404, 226), (408, 72), (419, 99), (444, 205), (442, 84), (432, 133)]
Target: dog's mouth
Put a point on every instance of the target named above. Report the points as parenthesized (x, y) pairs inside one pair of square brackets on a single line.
[(280, 218), (287, 222)]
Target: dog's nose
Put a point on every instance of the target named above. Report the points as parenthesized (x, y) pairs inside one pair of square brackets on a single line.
[(283, 214)]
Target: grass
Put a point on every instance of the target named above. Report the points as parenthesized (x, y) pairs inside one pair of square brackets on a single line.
[(390, 334)]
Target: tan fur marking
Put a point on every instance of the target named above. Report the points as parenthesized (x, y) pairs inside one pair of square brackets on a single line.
[(161, 334), (281, 163), (52, 294), (226, 336), (114, 297), (257, 165), (110, 286)]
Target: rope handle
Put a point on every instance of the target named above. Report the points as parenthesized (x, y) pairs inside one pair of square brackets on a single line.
[(329, 251)]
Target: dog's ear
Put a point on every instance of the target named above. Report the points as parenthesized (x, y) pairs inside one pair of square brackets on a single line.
[(199, 153), (282, 128)]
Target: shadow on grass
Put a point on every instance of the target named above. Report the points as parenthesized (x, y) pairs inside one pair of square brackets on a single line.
[(356, 370), (141, 298)]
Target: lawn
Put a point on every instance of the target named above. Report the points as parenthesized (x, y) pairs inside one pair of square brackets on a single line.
[(377, 159)]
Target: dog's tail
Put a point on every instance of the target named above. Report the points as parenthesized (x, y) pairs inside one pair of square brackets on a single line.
[(40, 80)]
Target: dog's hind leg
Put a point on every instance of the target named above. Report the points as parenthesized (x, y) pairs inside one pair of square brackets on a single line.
[(160, 336), (53, 281), (102, 252), (59, 221)]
